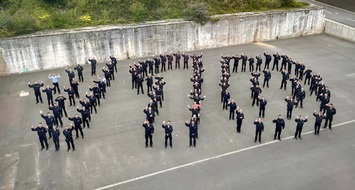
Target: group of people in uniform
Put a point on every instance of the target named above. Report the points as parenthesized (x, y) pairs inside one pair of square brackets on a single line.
[(57, 106), (313, 79)]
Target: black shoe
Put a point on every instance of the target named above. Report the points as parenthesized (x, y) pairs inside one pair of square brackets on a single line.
[(146, 146), (68, 150), (82, 137), (296, 138), (47, 148), (194, 145), (279, 139), (151, 146), (73, 149), (171, 146), (259, 141), (300, 137), (76, 137), (190, 145), (36, 102), (42, 148)]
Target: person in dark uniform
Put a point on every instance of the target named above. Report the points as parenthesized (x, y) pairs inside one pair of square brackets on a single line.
[(177, 59), (289, 65), (114, 62), (192, 132), (284, 62), (149, 130), (93, 65), (139, 81), (276, 61), (75, 87), (69, 137), (236, 63), (55, 81), (256, 91), (96, 91), (93, 102), (324, 101), (267, 77), (71, 94), (49, 122), (168, 133), (244, 59), (300, 122), (71, 74), (56, 134), (61, 102), (318, 121), (240, 117), (267, 60), (329, 113), (111, 69), (308, 75), (80, 70), (85, 115), (259, 61), (107, 76), (37, 89), (226, 98), (170, 61), (285, 77), (156, 64), (186, 60), (102, 86), (262, 106), (163, 62), (280, 124), (58, 114), (251, 64), (150, 82), (232, 107), (41, 132), (77, 123), (150, 115), (290, 104), (301, 94), (49, 94), (259, 128)]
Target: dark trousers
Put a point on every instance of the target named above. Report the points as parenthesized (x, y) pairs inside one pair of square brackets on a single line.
[(50, 100), (298, 132), (239, 126), (231, 114), (70, 141), (235, 68), (251, 67), (112, 74), (283, 84), (330, 120), (77, 129), (150, 137), (156, 69), (56, 143), (38, 96), (275, 65), (168, 136), (225, 104), (163, 67), (258, 67), (102, 92), (149, 88), (140, 86), (266, 81), (56, 87), (316, 128), (65, 111), (98, 99), (108, 82), (93, 70), (192, 139), (71, 100), (81, 78), (257, 135), (93, 106), (244, 65), (170, 65), (267, 65), (86, 120), (255, 99), (50, 129), (289, 113), (186, 65), (43, 142), (277, 133), (58, 118), (262, 112)]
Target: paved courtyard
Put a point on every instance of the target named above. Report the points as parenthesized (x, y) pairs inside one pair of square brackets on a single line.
[(113, 154)]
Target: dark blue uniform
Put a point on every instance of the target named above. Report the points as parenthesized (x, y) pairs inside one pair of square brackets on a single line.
[(149, 130), (69, 137), (300, 122), (317, 122), (262, 106), (330, 112), (37, 89), (192, 132), (49, 122), (41, 131), (56, 134), (280, 124), (77, 123), (259, 128), (168, 134), (57, 112), (61, 104), (240, 117)]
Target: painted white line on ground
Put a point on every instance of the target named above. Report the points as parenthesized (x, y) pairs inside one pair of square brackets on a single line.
[(210, 158), (351, 19), (350, 75), (328, 12)]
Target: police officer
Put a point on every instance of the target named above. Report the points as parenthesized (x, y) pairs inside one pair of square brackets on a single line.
[(71, 94), (168, 133), (61, 102), (267, 77), (262, 105), (280, 124), (240, 117), (56, 134), (259, 61), (150, 115), (300, 95), (93, 66), (71, 74), (58, 114), (149, 130), (186, 60), (244, 59), (259, 128), (150, 82), (318, 121), (226, 98), (37, 89), (96, 92), (232, 107), (49, 122), (77, 123), (114, 62), (285, 77), (80, 69), (41, 131), (55, 80), (192, 132), (329, 113), (49, 93), (85, 114), (93, 102), (69, 137), (267, 60), (111, 69), (300, 122), (290, 103), (236, 63), (177, 59), (277, 57), (256, 91)]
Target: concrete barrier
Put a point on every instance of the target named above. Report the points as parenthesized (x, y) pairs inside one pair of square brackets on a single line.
[(71, 47), (339, 30)]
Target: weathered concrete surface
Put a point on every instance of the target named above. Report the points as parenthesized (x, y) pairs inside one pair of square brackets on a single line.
[(344, 4), (339, 30), (61, 48)]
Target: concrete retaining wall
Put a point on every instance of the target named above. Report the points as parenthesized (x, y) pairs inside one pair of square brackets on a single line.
[(61, 48), (339, 30)]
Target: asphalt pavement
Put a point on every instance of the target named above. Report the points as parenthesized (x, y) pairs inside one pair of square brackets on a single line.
[(112, 155)]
